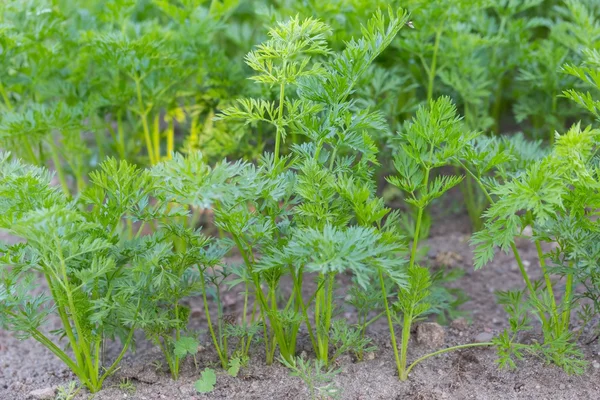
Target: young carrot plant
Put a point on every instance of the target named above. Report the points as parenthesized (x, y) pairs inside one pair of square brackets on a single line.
[(551, 204), (430, 141), (85, 251), (171, 257), (313, 211)]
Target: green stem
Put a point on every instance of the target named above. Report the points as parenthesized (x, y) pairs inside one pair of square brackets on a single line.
[(328, 314), (462, 346), (512, 244), (279, 132), (177, 337), (143, 115), (222, 356), (298, 288), (82, 343), (30, 153), (43, 339), (58, 167), (566, 320), (245, 312), (65, 321), (4, 95), (247, 349), (332, 161), (406, 325), (413, 253), (375, 318), (156, 137), (390, 323), (113, 367), (540, 253)]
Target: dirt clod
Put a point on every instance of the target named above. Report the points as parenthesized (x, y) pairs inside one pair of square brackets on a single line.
[(43, 394), (430, 334), (460, 324)]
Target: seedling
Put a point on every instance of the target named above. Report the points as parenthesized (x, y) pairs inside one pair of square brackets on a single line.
[(126, 386), (206, 383), (67, 392), (430, 141), (315, 376)]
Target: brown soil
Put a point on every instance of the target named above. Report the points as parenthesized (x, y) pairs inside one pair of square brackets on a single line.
[(467, 374)]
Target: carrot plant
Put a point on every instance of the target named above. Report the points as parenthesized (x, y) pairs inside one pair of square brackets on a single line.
[(83, 80), (172, 256), (87, 251), (548, 203), (312, 211), (430, 141)]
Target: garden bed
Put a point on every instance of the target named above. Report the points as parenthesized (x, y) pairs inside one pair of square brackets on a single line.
[(26, 366)]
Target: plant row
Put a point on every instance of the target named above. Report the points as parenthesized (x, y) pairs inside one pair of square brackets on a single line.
[(125, 253)]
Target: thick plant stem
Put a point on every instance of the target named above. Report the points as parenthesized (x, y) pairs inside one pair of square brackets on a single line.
[(473, 210), (406, 325), (327, 305), (82, 343), (415, 245), (390, 323)]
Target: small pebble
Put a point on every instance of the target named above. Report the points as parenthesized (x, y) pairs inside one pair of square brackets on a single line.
[(43, 394), (484, 337), (596, 364), (562, 386)]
